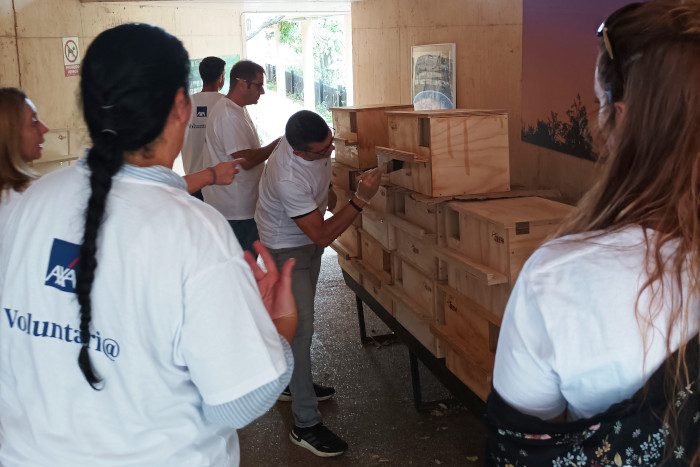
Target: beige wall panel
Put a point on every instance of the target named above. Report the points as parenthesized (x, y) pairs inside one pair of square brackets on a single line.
[(451, 13), (43, 78), (376, 67), (208, 21), (78, 141), (204, 46), (7, 19), (9, 70), (97, 18), (48, 18), (375, 14)]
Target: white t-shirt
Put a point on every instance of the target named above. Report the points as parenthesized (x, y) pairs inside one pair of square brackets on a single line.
[(173, 326), (230, 130), (194, 145), (9, 198), (570, 337), (290, 187)]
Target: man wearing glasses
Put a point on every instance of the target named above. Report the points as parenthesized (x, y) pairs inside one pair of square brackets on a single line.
[(294, 194), (231, 134)]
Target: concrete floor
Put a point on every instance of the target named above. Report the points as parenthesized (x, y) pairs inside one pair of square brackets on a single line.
[(373, 408)]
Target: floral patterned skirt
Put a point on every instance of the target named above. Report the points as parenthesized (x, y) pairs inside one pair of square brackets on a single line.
[(630, 433)]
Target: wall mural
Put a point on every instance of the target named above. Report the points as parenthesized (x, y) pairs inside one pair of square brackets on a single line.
[(559, 54)]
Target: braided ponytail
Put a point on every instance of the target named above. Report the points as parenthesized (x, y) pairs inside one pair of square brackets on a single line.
[(129, 79)]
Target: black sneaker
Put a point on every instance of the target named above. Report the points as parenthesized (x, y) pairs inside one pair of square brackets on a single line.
[(319, 440), (322, 393)]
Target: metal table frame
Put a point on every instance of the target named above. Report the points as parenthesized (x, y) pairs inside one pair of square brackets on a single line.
[(416, 351)]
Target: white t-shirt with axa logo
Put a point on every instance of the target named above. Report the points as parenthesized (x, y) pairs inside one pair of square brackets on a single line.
[(194, 145), (290, 187), (177, 320), (230, 130)]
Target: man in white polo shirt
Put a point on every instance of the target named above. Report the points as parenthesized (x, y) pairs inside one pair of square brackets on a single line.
[(211, 70), (294, 194), (231, 134)]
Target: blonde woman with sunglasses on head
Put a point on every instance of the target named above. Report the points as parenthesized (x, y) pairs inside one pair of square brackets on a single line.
[(597, 361)]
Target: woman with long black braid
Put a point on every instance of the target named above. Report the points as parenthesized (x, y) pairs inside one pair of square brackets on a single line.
[(178, 340)]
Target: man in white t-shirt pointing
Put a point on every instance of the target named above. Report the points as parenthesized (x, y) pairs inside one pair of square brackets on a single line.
[(231, 134), (211, 70), (294, 194)]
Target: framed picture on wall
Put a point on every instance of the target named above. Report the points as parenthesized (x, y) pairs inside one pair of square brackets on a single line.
[(434, 76)]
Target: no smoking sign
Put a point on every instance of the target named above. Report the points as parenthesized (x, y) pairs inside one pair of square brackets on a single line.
[(71, 56)]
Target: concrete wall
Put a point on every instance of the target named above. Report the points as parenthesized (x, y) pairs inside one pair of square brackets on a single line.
[(31, 54), (488, 34)]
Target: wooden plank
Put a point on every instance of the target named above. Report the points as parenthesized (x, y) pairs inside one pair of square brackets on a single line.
[(469, 155), (509, 212), (419, 289), (459, 362), (341, 250), (483, 273), (377, 226), (424, 215), (448, 113), (490, 297), (369, 107), (375, 259), (465, 302), (405, 156), (421, 330), (513, 193), (372, 131), (410, 228), (349, 240), (350, 267), (346, 154), (419, 253)]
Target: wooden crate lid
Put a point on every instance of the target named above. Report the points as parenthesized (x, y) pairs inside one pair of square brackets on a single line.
[(447, 113), (360, 108), (512, 211)]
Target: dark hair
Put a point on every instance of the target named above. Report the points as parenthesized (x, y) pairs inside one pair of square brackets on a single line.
[(210, 69), (305, 127), (129, 78), (245, 70), (15, 174)]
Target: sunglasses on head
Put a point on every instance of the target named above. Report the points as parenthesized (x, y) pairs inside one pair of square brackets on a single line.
[(606, 32)]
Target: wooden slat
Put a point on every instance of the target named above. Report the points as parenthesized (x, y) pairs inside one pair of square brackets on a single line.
[(449, 112), (513, 193), (465, 301), (348, 139), (341, 250), (370, 274), (409, 228), (508, 212), (401, 155), (481, 272)]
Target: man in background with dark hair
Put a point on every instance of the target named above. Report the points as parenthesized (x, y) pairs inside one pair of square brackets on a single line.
[(294, 194), (211, 69), (231, 134)]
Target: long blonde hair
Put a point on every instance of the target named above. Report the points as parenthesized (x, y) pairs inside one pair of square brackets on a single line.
[(650, 174), (15, 174)]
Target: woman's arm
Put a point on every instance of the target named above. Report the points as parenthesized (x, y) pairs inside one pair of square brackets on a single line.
[(221, 174)]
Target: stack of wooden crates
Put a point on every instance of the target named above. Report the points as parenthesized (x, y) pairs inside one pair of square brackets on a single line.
[(441, 265)]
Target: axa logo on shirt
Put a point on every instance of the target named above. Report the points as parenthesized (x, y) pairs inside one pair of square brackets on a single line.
[(64, 261), (201, 110)]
